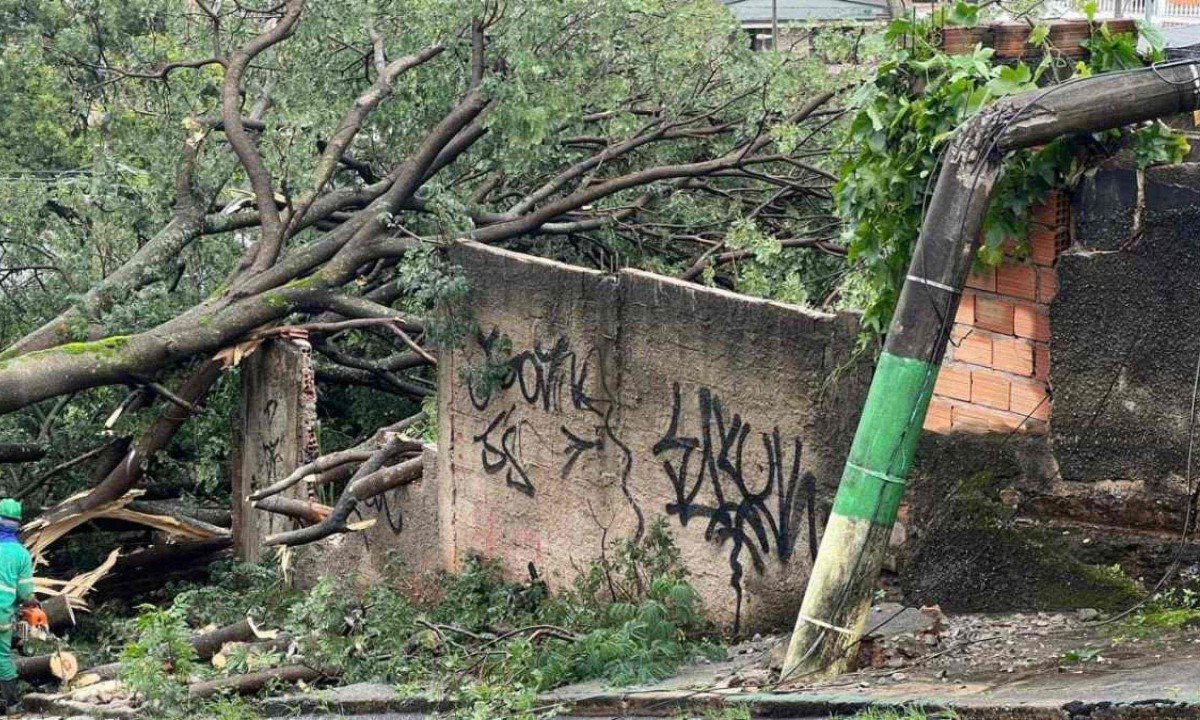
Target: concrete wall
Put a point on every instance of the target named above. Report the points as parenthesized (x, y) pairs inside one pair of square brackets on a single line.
[(404, 542), (276, 433), (1103, 479), (633, 397), (1125, 341)]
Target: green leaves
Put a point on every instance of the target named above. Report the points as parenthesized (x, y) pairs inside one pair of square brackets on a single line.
[(1038, 35), (916, 101), (1157, 144), (1109, 51), (963, 14), (1010, 80)]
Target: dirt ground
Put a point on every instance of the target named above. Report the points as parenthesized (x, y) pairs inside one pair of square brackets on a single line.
[(924, 645)]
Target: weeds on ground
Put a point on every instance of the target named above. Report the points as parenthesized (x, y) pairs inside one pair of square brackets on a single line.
[(488, 645), (1169, 609), (1080, 656)]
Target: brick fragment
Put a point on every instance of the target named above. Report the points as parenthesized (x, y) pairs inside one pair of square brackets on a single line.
[(990, 389), (954, 382), (971, 346), (1030, 322), (938, 419), (972, 418), (1046, 212), (1041, 361), (1030, 398), (983, 280), (1042, 241), (995, 315), (1017, 280), (966, 310), (1014, 355), (1047, 284)]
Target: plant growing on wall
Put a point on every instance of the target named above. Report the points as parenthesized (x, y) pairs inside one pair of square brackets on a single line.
[(903, 118)]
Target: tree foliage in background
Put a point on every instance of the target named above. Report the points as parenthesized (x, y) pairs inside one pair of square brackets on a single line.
[(177, 177), (905, 115)]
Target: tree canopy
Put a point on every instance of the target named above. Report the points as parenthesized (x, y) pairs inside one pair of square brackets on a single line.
[(178, 178)]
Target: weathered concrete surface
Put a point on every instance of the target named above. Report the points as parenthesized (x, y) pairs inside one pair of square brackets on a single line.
[(1158, 690), (1124, 342), (404, 539), (971, 545), (621, 399), (1109, 483), (275, 435)]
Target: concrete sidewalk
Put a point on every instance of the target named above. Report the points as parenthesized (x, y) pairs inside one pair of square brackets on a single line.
[(1169, 689)]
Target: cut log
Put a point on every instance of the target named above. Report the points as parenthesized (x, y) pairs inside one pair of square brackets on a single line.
[(62, 665), (169, 554), (255, 681), (217, 517), (205, 644)]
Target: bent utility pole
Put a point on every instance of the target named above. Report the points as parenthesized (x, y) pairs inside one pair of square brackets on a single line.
[(837, 600)]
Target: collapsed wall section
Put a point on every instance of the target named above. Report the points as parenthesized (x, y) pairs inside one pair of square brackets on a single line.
[(591, 406)]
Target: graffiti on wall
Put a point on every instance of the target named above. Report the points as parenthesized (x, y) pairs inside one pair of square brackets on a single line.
[(745, 486), (746, 492), (553, 379)]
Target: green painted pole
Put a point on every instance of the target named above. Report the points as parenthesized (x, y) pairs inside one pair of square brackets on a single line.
[(837, 601)]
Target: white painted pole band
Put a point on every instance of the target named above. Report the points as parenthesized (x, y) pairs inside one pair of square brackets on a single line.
[(876, 474), (934, 283), (823, 624)]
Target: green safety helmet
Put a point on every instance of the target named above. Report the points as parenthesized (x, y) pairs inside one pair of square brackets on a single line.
[(10, 509)]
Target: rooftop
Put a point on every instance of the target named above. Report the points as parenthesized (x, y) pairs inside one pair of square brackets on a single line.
[(758, 12)]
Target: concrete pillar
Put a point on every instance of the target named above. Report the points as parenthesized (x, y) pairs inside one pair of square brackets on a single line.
[(276, 433)]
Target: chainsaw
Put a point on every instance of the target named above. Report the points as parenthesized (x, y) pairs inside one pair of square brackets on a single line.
[(32, 624)]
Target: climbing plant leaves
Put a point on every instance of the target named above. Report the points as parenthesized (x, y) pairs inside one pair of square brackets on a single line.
[(903, 118)]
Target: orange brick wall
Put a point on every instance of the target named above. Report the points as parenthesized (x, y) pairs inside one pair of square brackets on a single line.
[(996, 371)]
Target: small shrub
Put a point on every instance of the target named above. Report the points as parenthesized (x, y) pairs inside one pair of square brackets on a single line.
[(158, 664)]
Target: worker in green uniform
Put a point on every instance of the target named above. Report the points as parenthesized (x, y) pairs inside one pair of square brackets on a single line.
[(16, 586)]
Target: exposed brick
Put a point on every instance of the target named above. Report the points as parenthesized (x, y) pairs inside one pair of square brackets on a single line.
[(1046, 212), (1017, 280), (983, 280), (990, 389), (1041, 361), (1013, 355), (971, 346), (1030, 322), (1030, 398), (966, 310), (938, 419), (953, 382), (1042, 245), (995, 315), (971, 418), (1047, 284)]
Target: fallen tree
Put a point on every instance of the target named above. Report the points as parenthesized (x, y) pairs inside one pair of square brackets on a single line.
[(313, 163)]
